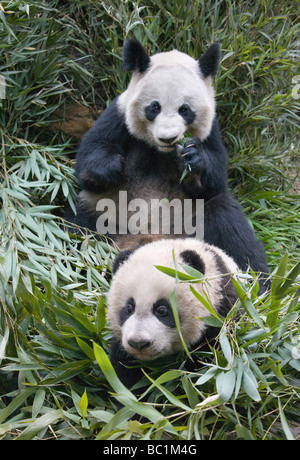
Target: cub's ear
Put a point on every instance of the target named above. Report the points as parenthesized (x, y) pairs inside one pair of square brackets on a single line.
[(193, 259), (209, 62), (134, 56), (120, 259)]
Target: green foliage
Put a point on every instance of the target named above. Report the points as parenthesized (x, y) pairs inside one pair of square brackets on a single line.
[(56, 380)]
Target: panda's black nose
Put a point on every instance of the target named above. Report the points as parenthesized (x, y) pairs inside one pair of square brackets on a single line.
[(139, 344), (168, 140)]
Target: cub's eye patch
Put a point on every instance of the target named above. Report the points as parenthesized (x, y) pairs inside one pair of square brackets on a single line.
[(152, 110), (162, 310), (187, 113), (127, 310)]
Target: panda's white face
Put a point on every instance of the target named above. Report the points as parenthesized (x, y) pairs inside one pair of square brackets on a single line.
[(149, 333), (168, 100), (140, 312), (139, 309)]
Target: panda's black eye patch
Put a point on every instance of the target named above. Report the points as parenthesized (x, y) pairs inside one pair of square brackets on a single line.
[(127, 310), (152, 110), (187, 113), (162, 310)]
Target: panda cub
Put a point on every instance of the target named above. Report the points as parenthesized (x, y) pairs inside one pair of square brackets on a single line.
[(139, 310), (133, 148)]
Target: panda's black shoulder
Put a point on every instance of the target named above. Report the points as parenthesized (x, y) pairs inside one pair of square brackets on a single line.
[(214, 141), (109, 127), (112, 123)]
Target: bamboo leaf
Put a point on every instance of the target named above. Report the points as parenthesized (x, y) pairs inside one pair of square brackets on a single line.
[(250, 384), (285, 426), (225, 345), (177, 321), (290, 279), (209, 374), (109, 372), (83, 404), (122, 393), (173, 399), (175, 273), (15, 403), (192, 272), (225, 382), (38, 402), (3, 343), (38, 425), (101, 315), (247, 304), (211, 321), (85, 348), (279, 275), (206, 304)]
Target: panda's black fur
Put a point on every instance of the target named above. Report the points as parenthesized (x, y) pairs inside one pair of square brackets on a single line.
[(110, 158)]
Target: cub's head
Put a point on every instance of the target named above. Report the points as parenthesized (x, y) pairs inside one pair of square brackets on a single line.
[(169, 94), (139, 309)]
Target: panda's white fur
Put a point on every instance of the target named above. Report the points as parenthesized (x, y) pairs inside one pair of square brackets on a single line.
[(173, 78), (137, 278)]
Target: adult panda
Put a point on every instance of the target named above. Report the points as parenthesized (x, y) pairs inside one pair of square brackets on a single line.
[(133, 147), (139, 310)]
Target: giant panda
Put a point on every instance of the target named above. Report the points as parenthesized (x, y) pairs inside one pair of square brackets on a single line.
[(134, 147), (138, 305)]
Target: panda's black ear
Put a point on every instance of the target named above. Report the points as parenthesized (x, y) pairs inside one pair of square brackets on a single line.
[(193, 259), (134, 56), (120, 259), (209, 62)]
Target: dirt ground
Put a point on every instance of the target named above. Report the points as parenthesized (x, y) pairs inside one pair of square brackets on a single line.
[(295, 172)]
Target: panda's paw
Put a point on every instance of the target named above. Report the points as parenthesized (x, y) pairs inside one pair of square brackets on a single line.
[(194, 155)]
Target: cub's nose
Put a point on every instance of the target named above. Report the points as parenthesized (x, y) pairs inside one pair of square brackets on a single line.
[(168, 140), (139, 344)]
